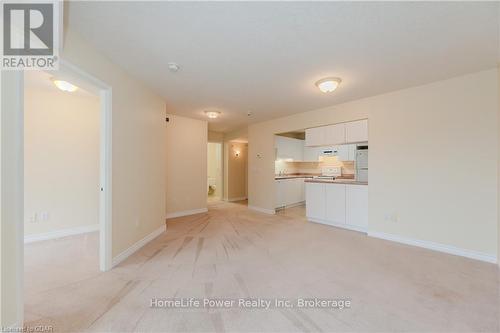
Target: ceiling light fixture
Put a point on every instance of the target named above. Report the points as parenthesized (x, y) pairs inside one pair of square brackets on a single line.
[(173, 67), (212, 114), (64, 85), (328, 84)]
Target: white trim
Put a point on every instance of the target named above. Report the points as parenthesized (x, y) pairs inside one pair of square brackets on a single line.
[(105, 168), (11, 169), (262, 210), (436, 247), (236, 199), (338, 225), (61, 233), (17, 327), (105, 175), (291, 205), (186, 213), (138, 245)]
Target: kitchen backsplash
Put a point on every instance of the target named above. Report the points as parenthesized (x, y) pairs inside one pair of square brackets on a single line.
[(348, 167)]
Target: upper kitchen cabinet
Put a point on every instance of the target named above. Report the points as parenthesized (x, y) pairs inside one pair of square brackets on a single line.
[(325, 135), (289, 148), (312, 154), (315, 137), (356, 131), (335, 134), (338, 134), (346, 152)]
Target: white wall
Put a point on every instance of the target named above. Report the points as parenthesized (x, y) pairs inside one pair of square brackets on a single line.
[(186, 168), (138, 146), (61, 154), (11, 198), (138, 164), (433, 159), (236, 177)]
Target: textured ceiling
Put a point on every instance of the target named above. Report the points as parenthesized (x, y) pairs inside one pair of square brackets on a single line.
[(264, 57)]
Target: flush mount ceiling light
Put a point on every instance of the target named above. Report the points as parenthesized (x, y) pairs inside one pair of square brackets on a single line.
[(173, 67), (64, 85), (212, 114), (328, 84)]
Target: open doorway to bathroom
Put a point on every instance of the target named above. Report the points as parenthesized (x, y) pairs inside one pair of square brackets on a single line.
[(214, 171)]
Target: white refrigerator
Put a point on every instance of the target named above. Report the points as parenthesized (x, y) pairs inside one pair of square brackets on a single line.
[(362, 165)]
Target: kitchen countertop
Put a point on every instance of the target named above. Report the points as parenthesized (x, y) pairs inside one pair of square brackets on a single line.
[(293, 176), (336, 181)]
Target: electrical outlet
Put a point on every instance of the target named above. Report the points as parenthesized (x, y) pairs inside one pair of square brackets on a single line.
[(391, 217), (137, 222)]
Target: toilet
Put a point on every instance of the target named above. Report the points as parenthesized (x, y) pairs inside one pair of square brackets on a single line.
[(211, 186)]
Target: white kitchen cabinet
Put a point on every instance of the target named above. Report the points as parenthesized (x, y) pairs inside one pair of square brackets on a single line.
[(356, 131), (289, 192), (335, 203), (315, 137), (341, 205), (338, 134), (315, 201), (303, 190), (312, 154), (293, 191), (279, 200), (289, 148), (334, 134), (357, 206), (346, 152)]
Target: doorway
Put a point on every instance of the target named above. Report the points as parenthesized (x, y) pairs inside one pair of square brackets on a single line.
[(214, 171), (67, 177), (61, 182)]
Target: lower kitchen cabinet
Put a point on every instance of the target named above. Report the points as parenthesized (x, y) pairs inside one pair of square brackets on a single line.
[(289, 192), (315, 201), (335, 203), (342, 205), (357, 206)]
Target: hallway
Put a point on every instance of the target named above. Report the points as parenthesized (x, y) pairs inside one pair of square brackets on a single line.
[(232, 252)]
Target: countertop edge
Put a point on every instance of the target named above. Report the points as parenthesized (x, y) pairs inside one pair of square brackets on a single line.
[(347, 182)]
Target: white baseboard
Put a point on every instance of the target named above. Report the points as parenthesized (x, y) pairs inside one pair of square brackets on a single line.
[(436, 247), (134, 248), (338, 225), (13, 328), (187, 212), (291, 205), (236, 199), (262, 210), (61, 233)]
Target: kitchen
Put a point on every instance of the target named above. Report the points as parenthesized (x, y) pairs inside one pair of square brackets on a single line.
[(325, 168)]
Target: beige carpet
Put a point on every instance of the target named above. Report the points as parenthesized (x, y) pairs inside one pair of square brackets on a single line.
[(234, 253)]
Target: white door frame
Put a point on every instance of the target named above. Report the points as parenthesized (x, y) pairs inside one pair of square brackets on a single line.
[(13, 171), (105, 169)]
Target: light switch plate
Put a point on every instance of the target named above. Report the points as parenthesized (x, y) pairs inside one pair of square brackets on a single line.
[(44, 216)]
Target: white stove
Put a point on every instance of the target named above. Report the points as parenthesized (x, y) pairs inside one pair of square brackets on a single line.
[(330, 173)]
